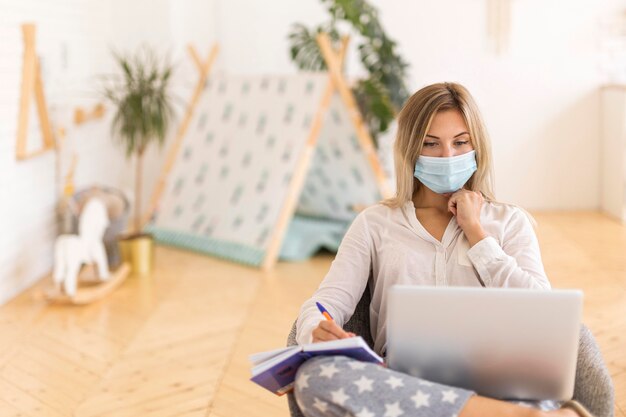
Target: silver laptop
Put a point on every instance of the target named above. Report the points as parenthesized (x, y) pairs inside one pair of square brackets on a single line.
[(502, 343)]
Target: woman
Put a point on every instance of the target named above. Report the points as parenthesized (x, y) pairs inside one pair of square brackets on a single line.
[(443, 227)]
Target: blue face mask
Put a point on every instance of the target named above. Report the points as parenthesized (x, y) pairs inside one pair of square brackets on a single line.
[(445, 175)]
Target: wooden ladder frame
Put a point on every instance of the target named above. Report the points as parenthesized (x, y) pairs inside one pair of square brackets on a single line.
[(32, 84)]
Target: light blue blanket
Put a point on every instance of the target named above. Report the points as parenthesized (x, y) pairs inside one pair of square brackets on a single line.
[(307, 235)]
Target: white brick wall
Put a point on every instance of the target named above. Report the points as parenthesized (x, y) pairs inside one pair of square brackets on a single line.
[(72, 37), (74, 40)]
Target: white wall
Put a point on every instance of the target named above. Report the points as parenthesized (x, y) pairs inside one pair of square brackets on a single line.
[(71, 41), (540, 98)]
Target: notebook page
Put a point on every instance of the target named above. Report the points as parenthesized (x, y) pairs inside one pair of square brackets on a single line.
[(260, 357), (349, 343), (275, 360)]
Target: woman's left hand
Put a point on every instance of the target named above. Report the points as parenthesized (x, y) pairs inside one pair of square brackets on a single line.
[(465, 205)]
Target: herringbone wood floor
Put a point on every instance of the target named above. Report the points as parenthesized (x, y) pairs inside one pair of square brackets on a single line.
[(176, 344)]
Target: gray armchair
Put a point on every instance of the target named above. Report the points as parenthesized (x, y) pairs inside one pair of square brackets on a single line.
[(593, 387)]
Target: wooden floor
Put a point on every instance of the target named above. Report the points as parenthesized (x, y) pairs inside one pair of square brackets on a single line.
[(176, 344)]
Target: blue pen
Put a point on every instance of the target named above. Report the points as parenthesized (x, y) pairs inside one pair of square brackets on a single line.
[(324, 311)]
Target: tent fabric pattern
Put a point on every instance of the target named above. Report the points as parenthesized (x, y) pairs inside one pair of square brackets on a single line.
[(233, 173), (340, 176)]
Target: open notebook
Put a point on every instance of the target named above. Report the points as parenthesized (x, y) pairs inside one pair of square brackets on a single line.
[(276, 369)]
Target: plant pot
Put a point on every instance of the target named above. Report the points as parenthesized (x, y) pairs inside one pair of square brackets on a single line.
[(138, 251)]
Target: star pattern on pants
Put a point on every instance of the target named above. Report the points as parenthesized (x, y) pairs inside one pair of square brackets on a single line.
[(364, 384), (320, 405), (394, 382), (449, 396), (421, 399), (347, 387), (301, 404), (328, 370), (365, 413), (339, 396), (393, 410), (303, 380)]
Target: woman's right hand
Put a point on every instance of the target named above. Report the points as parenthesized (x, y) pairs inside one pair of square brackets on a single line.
[(329, 330)]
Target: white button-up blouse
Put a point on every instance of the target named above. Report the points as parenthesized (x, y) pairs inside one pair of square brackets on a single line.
[(386, 246)]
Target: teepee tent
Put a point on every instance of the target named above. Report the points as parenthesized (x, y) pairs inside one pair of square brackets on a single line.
[(254, 151)]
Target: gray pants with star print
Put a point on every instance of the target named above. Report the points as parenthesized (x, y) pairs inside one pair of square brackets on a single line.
[(338, 386)]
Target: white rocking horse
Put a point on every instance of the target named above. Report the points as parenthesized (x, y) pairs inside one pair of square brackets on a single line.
[(72, 251)]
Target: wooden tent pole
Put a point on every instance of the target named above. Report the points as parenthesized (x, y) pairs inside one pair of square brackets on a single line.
[(196, 59), (367, 144), (302, 167), (204, 69)]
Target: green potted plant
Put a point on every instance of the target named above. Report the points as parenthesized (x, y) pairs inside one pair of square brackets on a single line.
[(383, 92), (143, 115)]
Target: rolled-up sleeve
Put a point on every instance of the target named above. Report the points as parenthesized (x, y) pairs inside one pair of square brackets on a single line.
[(515, 263), (344, 284)]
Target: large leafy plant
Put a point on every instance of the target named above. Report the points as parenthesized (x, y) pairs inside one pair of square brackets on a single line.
[(384, 91), (143, 108)]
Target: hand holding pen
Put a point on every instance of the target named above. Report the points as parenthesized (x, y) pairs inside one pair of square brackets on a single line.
[(327, 329)]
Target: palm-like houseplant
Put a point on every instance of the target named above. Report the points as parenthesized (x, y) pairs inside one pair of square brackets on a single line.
[(383, 92), (143, 110)]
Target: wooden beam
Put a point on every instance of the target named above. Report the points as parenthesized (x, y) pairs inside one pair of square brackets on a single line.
[(196, 59), (42, 110), (32, 84), (28, 87)]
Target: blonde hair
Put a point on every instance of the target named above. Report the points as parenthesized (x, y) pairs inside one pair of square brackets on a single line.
[(414, 122)]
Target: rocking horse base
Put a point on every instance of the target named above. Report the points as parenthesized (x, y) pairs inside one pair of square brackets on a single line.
[(90, 288)]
